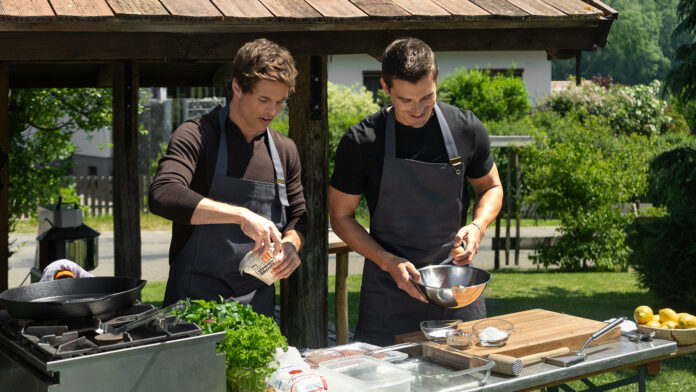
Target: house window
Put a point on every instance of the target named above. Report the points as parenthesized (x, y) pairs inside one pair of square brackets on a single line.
[(92, 170), (517, 72), (371, 82)]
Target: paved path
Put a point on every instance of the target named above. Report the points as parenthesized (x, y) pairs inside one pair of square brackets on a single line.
[(155, 250)]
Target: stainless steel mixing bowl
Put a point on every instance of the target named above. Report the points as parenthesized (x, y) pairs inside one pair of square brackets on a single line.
[(437, 282)]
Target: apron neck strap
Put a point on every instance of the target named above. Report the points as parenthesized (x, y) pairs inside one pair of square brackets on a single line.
[(222, 158), (390, 138)]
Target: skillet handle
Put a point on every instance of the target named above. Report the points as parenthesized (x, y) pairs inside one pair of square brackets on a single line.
[(139, 286)]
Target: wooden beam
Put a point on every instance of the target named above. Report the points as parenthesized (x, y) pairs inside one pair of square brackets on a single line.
[(4, 177), (125, 139), (221, 74), (222, 47), (304, 296), (341, 298), (105, 75)]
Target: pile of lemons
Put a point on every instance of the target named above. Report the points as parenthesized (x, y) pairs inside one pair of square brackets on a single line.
[(665, 319)]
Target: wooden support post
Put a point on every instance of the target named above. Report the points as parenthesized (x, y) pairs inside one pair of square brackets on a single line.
[(125, 192), (518, 185), (496, 243), (4, 178), (508, 205), (341, 298), (304, 296), (578, 68)]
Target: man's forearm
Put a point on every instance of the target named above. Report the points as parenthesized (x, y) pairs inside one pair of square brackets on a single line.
[(487, 206), (214, 212)]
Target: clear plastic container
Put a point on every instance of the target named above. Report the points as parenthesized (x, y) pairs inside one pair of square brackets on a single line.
[(359, 348), (315, 357), (362, 373), (434, 367)]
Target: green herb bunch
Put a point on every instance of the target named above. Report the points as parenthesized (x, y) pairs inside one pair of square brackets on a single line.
[(250, 342)]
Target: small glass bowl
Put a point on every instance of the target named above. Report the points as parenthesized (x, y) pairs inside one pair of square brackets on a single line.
[(459, 340), (436, 330), (493, 332)]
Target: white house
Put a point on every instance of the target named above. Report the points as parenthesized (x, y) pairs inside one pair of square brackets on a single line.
[(533, 66)]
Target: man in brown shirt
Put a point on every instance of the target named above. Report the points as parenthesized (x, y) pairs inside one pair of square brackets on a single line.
[(234, 191)]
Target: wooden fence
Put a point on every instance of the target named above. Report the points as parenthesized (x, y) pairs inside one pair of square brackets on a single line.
[(95, 193)]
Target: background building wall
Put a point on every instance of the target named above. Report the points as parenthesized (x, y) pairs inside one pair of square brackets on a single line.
[(348, 69)]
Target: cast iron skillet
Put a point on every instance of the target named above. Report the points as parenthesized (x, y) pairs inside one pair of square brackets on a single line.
[(71, 298)]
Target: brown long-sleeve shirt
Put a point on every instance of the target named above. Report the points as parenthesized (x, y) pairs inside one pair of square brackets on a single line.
[(186, 171)]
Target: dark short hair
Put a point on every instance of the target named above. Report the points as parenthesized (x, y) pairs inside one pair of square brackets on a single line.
[(262, 59), (408, 59)]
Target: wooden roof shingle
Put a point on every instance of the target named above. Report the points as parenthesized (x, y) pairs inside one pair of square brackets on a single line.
[(298, 11)]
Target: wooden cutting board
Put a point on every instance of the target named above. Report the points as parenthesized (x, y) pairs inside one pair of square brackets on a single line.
[(536, 330)]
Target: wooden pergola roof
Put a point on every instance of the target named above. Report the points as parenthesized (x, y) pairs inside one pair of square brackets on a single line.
[(186, 42), (126, 44), (248, 12)]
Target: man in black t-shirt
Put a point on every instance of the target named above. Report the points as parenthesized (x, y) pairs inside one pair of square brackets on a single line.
[(410, 161)]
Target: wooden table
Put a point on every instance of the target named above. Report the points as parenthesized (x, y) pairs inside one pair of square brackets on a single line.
[(341, 250)]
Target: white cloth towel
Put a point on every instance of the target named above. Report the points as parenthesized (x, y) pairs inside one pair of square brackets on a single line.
[(64, 265)]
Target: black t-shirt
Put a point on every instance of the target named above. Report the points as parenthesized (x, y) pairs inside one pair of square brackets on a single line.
[(360, 154)]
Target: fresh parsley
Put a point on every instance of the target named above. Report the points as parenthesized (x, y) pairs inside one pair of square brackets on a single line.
[(250, 342)]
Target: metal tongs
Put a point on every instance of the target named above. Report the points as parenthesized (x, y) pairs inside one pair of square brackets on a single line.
[(108, 331), (637, 337), (573, 357)]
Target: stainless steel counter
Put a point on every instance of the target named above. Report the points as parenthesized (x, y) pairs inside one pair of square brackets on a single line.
[(599, 358)]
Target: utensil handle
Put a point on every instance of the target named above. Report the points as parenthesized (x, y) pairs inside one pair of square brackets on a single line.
[(602, 331), (528, 359), (392, 348)]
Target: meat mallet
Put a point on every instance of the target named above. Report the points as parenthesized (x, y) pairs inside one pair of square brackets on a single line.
[(512, 366)]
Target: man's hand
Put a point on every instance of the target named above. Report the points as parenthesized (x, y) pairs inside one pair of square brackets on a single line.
[(288, 261), (262, 231), (401, 270), (471, 235)]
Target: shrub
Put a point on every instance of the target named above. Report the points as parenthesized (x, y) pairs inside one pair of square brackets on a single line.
[(663, 250), (503, 96), (347, 106), (625, 109), (582, 174)]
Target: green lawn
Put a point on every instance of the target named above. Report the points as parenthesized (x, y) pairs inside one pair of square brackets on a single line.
[(150, 222), (595, 295)]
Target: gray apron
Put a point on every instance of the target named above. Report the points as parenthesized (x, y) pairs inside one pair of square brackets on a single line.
[(208, 266), (417, 215)]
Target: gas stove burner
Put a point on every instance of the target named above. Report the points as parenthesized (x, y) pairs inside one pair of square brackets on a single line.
[(72, 355), (60, 339)]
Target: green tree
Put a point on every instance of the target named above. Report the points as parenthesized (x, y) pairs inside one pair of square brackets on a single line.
[(503, 96), (347, 106), (41, 124), (640, 48), (681, 80)]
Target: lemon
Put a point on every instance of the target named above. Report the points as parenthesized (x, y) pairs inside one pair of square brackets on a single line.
[(679, 315), (668, 314), (688, 321), (643, 314), (653, 324), (656, 317), (670, 324)]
